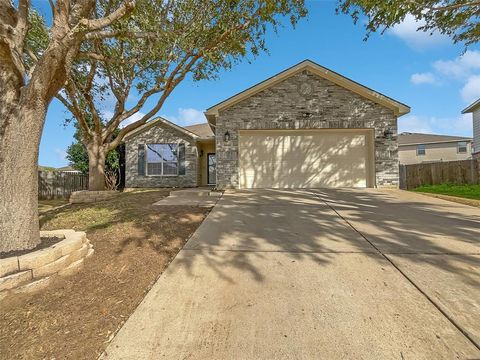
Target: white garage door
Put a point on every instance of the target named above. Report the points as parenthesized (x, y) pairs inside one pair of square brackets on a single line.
[(305, 158)]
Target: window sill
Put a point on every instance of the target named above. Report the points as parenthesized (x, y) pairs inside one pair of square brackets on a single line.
[(162, 175)]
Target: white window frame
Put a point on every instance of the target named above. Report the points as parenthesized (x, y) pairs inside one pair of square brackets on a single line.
[(146, 160), (424, 150), (466, 147)]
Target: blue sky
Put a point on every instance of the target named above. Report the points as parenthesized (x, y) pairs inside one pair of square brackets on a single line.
[(428, 73)]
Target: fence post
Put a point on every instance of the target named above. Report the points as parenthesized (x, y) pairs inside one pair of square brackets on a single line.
[(402, 173), (476, 170)]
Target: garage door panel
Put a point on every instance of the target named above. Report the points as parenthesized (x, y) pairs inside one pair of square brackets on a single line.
[(323, 159)]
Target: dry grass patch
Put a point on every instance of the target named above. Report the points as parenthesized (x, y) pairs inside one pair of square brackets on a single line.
[(77, 316)]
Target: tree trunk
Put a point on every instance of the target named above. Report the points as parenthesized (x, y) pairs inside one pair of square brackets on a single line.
[(96, 167), (19, 141)]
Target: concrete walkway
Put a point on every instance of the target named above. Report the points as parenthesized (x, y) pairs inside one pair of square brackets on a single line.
[(327, 274)]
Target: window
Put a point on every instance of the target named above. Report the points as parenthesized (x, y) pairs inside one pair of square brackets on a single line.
[(421, 150), (162, 159), (462, 147)]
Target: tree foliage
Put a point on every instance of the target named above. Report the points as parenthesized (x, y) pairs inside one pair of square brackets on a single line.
[(148, 54), (455, 18)]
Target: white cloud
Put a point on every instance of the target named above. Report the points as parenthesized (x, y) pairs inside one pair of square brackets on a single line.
[(187, 116), (413, 123), (461, 67), (423, 78), (461, 126), (471, 90), (464, 69), (135, 117), (419, 40)]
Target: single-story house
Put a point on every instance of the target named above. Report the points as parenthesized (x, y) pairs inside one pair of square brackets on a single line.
[(306, 127), (415, 148), (475, 110)]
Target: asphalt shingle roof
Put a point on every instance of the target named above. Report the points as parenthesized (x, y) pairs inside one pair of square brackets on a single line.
[(408, 138), (202, 130)]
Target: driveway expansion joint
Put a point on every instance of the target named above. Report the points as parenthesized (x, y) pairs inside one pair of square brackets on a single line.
[(280, 251), (384, 255)]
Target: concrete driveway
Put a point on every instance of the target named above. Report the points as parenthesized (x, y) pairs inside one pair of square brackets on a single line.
[(321, 274)]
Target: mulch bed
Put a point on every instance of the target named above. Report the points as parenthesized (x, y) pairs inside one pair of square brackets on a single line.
[(77, 316)]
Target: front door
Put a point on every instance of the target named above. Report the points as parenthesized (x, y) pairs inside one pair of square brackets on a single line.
[(211, 169)]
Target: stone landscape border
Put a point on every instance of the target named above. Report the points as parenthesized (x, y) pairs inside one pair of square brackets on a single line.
[(35, 270), (87, 196)]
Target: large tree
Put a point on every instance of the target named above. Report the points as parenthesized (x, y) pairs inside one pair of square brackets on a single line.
[(139, 61), (455, 18), (34, 63), (78, 157)]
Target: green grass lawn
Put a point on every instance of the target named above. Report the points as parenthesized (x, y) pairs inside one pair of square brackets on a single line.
[(464, 191)]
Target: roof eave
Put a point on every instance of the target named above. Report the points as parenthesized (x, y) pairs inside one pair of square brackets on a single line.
[(397, 107), (471, 108), (437, 142), (146, 126)]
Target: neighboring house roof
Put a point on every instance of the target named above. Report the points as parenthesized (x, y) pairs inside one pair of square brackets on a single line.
[(46, 168), (471, 108), (202, 130), (66, 168), (398, 107), (158, 120), (408, 138)]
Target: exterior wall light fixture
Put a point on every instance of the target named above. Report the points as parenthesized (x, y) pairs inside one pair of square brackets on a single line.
[(226, 136), (388, 134)]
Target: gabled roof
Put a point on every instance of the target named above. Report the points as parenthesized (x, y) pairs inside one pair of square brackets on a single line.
[(398, 107), (408, 138), (202, 130), (471, 108), (158, 120)]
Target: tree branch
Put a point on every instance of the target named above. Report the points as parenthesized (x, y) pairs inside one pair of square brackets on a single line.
[(170, 84), (104, 34), (97, 24), (98, 57), (76, 111), (454, 6), (22, 20)]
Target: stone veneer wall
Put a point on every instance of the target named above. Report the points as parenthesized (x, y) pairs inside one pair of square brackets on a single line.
[(87, 196), (282, 106), (157, 134), (35, 270)]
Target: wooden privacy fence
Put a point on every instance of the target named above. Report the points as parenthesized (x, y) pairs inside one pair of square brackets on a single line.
[(453, 172), (57, 184)]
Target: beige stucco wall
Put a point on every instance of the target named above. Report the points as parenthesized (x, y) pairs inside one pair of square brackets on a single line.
[(207, 148), (434, 152)]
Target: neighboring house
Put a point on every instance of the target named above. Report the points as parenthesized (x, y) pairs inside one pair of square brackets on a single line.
[(304, 127), (68, 169), (475, 110), (415, 148), (65, 169)]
